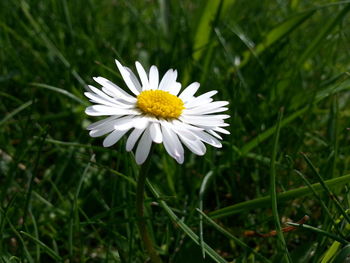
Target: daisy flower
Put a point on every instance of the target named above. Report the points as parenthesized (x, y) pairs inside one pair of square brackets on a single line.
[(156, 111)]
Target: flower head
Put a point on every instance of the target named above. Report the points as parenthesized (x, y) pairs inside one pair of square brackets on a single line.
[(156, 112)]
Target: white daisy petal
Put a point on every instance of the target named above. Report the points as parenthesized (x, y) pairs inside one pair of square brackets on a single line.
[(156, 133), (197, 147), (125, 123), (189, 91), (113, 89), (207, 138), (142, 74), (153, 78), (101, 122), (221, 130), (97, 99), (102, 110), (141, 123), (206, 108), (168, 80), (143, 147), (133, 137), (200, 100), (212, 132), (199, 120), (172, 144), (175, 88), (129, 78), (113, 138), (101, 132)]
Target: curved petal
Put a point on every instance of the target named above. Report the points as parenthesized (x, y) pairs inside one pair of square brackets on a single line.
[(142, 74), (129, 78), (133, 137), (143, 147), (153, 78), (113, 138), (168, 80), (172, 144), (156, 133), (189, 91)]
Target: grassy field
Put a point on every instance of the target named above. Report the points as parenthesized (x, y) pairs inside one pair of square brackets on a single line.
[(282, 65)]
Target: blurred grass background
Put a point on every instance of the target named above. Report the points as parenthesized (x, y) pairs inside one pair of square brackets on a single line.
[(64, 198)]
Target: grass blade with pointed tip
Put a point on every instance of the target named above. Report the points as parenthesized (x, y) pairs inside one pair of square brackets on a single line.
[(61, 91), (281, 197), (210, 252), (230, 236), (326, 29), (320, 231), (45, 248), (202, 189), (16, 111)]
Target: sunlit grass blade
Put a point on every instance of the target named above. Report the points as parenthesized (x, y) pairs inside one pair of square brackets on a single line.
[(343, 255)]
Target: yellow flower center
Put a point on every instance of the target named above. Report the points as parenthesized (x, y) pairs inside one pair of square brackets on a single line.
[(160, 104)]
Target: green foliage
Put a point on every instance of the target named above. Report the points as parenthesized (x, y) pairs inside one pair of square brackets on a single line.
[(65, 198)]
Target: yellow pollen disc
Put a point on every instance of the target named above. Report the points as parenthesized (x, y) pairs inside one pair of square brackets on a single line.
[(160, 104)]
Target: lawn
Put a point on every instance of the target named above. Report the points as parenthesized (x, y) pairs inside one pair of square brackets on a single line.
[(276, 191)]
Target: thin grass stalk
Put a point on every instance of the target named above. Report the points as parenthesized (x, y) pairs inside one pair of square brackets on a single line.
[(141, 221), (273, 192)]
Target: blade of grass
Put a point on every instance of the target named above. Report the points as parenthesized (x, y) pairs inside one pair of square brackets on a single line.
[(48, 43), (14, 112), (230, 236), (210, 252), (324, 206), (331, 196), (61, 91), (45, 248), (202, 189), (273, 192), (343, 255), (276, 34), (281, 197), (331, 251), (345, 85), (326, 29), (25, 249), (320, 231)]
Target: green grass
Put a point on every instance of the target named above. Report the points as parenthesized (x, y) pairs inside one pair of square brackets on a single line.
[(65, 198)]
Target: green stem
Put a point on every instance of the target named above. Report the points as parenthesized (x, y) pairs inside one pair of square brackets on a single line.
[(141, 222)]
